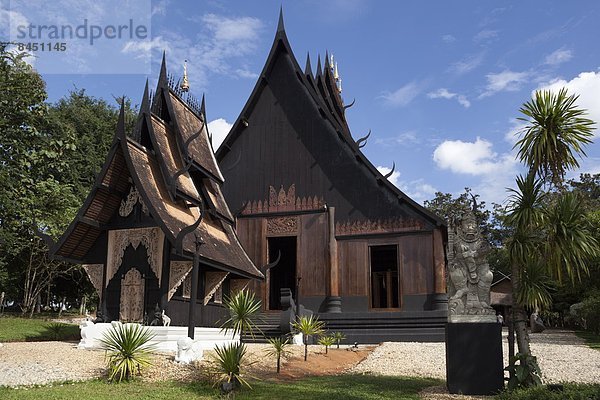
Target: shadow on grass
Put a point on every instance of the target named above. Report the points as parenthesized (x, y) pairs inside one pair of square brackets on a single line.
[(591, 339), (56, 331), (340, 387)]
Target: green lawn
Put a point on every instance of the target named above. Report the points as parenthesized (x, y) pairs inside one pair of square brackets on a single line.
[(591, 339), (343, 387), (15, 329)]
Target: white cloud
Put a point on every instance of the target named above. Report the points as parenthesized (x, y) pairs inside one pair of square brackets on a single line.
[(443, 93), (467, 65), (495, 171), (448, 39), (403, 139), (394, 178), (587, 86), (514, 131), (473, 158), (160, 7), (558, 57), (218, 128), (402, 96), (485, 35), (418, 190), (505, 81), (221, 47)]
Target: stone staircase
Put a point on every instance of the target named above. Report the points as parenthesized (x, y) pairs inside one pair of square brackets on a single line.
[(268, 323)]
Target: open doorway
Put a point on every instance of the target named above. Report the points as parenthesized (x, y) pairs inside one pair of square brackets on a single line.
[(384, 277), (283, 275)]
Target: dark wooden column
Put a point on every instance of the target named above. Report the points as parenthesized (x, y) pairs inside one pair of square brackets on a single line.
[(333, 302)]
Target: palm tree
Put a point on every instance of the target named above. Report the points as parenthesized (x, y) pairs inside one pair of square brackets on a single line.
[(556, 132), (243, 308), (308, 326), (551, 236)]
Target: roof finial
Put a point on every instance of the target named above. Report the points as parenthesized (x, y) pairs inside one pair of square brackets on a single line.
[(331, 62), (280, 27), (338, 80), (185, 85)]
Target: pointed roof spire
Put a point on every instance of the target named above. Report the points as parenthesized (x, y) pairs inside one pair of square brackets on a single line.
[(280, 27), (121, 122), (327, 66), (162, 77), (203, 107), (307, 68), (145, 106), (319, 72)]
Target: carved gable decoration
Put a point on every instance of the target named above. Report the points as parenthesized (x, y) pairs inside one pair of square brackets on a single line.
[(118, 240), (282, 225), (280, 200), (237, 285), (94, 272), (128, 203), (367, 227), (214, 280), (178, 272)]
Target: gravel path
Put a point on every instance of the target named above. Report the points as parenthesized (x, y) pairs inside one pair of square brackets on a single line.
[(562, 356), (36, 363)]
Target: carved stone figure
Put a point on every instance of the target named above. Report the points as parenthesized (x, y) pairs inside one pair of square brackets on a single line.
[(469, 275), (188, 350)]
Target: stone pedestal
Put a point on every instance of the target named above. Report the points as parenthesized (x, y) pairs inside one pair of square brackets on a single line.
[(474, 363)]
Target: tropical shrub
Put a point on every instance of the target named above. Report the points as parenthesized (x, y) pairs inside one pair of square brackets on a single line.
[(338, 337), (590, 312), (56, 330), (229, 361), (243, 308), (525, 374), (308, 326), (128, 349), (326, 341), (279, 348)]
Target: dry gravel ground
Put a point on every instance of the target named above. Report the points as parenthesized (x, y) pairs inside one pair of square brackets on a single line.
[(562, 356), (36, 363)]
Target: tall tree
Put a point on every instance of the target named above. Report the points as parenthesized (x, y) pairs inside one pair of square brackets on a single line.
[(555, 135), (551, 235)]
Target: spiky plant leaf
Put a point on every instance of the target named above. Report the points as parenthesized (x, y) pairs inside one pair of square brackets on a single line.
[(128, 349), (243, 308)]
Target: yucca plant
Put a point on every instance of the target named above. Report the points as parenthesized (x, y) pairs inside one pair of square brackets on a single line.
[(338, 337), (128, 349), (279, 348), (229, 361), (326, 340), (56, 330), (243, 308), (308, 326)]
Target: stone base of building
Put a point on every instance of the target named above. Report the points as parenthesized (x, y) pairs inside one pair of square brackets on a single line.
[(474, 363)]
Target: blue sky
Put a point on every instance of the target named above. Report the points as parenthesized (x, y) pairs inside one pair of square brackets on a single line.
[(439, 83)]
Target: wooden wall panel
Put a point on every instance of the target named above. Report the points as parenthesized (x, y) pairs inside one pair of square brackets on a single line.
[(313, 254), (251, 232), (416, 254), (353, 260)]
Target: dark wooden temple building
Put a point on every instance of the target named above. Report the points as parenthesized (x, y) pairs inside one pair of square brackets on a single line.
[(157, 181), (352, 246)]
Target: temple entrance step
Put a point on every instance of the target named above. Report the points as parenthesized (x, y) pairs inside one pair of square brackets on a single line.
[(268, 323), (425, 326)]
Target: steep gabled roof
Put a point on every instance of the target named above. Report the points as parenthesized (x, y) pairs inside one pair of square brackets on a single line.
[(175, 174), (320, 91)]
